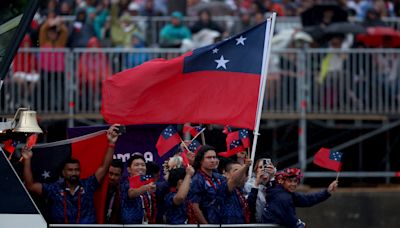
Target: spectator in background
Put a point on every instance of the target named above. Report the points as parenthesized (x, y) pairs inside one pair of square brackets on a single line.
[(205, 31), (53, 34), (150, 9), (136, 58), (81, 30), (243, 24), (93, 68), (373, 18), (25, 65), (98, 15), (259, 18), (271, 6), (122, 28), (205, 22), (65, 9), (26, 74), (175, 32)]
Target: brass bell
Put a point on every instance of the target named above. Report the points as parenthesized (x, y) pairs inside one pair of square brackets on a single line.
[(28, 123)]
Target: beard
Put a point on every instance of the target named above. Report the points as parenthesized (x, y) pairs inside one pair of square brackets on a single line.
[(73, 179)]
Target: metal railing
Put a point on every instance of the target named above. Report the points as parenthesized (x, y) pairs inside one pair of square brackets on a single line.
[(351, 82), (151, 26)]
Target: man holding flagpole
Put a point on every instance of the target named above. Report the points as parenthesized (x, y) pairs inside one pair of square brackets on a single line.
[(71, 199)]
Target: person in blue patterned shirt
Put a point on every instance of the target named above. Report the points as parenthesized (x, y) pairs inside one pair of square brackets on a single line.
[(209, 188), (71, 199), (137, 206), (236, 207), (176, 204)]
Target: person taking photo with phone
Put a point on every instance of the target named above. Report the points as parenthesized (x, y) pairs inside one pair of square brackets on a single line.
[(263, 172)]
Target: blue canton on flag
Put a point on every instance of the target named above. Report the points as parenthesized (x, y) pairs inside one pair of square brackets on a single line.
[(336, 155), (243, 134), (194, 146), (234, 144), (240, 53), (168, 132), (144, 178)]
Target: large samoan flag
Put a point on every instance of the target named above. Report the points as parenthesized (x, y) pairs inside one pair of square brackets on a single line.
[(216, 84)]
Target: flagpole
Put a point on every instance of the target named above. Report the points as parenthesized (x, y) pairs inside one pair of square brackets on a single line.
[(337, 176), (203, 138), (200, 133), (269, 32), (184, 144)]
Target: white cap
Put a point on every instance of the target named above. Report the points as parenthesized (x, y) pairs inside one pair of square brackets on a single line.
[(133, 6)]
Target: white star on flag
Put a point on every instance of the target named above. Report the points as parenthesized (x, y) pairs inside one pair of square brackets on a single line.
[(46, 174), (221, 62), (240, 40), (215, 50)]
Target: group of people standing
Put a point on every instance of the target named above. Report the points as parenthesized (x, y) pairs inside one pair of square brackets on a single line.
[(195, 193)]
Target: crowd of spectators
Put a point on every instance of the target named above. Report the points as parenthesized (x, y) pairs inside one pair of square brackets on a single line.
[(125, 23)]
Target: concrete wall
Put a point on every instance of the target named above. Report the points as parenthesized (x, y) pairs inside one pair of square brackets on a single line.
[(355, 209)]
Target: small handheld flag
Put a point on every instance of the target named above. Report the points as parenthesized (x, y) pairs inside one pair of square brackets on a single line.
[(31, 141), (194, 131), (329, 159), (168, 139), (140, 180)]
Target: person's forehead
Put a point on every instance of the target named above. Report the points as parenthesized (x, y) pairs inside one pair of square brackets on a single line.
[(210, 152), (115, 169), (139, 160), (235, 167), (71, 165)]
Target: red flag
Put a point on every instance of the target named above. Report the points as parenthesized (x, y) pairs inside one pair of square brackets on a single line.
[(168, 139), (211, 85), (329, 159), (140, 180), (31, 141), (9, 146), (185, 160), (192, 130), (89, 150)]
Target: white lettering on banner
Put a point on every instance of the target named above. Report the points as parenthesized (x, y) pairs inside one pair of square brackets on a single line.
[(148, 156)]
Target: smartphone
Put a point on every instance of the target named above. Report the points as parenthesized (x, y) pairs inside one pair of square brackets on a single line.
[(121, 129), (266, 163)]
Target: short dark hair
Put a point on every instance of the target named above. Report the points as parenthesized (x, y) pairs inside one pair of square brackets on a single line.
[(134, 157), (71, 161), (200, 156), (229, 164), (175, 175), (117, 163), (152, 168)]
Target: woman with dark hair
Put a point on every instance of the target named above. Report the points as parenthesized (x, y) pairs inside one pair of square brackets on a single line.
[(209, 189)]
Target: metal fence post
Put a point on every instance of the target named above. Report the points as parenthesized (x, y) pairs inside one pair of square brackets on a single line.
[(70, 87), (302, 104)]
